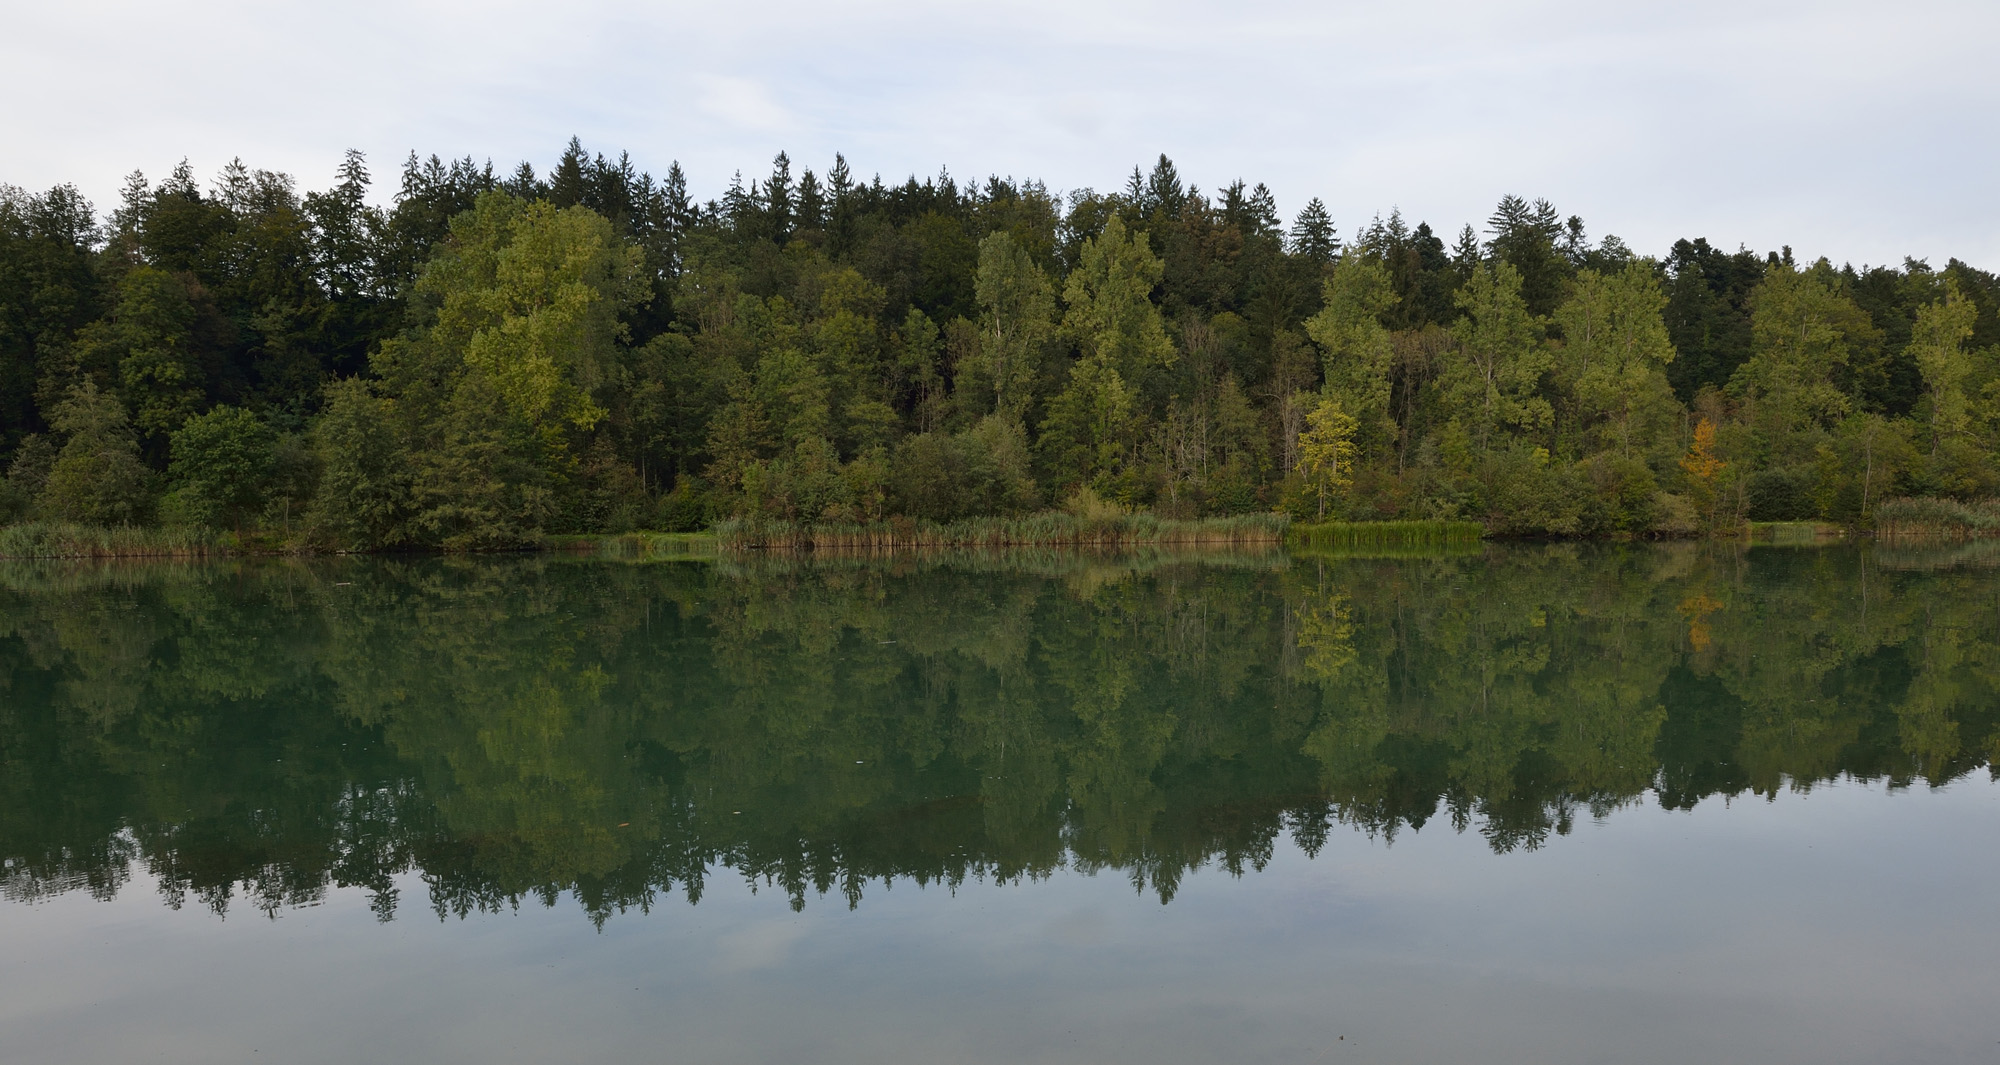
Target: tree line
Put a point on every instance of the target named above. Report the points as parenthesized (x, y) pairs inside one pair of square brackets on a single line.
[(499, 356)]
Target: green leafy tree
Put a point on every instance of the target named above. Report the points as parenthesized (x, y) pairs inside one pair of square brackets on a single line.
[(1359, 353), (48, 291), (1088, 430), (1800, 328), (97, 478), (363, 497), (531, 296), (222, 467), (26, 475), (1938, 345), (1017, 317), (1614, 356), (1111, 313), (1492, 381), (150, 346), (1326, 449)]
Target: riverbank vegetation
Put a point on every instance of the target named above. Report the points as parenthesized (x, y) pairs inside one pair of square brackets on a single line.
[(495, 358)]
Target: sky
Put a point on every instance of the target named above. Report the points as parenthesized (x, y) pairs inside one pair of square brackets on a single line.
[(1859, 131)]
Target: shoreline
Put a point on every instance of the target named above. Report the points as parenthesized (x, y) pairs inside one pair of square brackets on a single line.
[(1050, 530)]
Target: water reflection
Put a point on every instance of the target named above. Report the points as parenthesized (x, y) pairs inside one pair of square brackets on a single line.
[(522, 728)]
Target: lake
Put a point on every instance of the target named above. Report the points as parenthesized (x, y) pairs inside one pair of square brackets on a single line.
[(1527, 803)]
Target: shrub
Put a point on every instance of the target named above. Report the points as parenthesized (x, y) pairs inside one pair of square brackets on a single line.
[(97, 478), (221, 468)]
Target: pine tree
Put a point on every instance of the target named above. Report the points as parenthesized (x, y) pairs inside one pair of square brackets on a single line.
[(1263, 211), (569, 181), (812, 203), (778, 200), (1164, 193), (1313, 236)]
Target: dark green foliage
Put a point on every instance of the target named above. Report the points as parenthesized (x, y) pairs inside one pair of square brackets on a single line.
[(944, 477), (223, 467), (1708, 313), (48, 290), (97, 478), (499, 355), (364, 495)]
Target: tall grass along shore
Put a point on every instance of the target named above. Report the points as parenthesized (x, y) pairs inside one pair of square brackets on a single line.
[(1936, 519), (42, 539)]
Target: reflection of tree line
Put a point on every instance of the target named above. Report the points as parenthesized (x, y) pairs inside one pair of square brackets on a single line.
[(519, 729)]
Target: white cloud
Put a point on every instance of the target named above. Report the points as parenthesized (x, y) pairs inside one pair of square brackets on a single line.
[(1851, 129), (745, 104)]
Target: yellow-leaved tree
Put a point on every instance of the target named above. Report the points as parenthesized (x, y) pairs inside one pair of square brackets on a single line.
[(1326, 449)]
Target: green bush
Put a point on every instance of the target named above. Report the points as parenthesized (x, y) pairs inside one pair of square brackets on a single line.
[(945, 477), (221, 469), (97, 478), (26, 476)]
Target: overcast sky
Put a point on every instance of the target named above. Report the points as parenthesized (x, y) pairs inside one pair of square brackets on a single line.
[(1861, 131)]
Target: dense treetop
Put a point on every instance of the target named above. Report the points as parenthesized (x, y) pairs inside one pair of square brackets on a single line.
[(498, 356)]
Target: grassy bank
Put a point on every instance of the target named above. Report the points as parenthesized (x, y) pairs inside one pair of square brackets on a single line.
[(1418, 535), (44, 539), (1047, 529)]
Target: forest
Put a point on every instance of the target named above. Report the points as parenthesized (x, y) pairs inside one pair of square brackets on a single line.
[(499, 357)]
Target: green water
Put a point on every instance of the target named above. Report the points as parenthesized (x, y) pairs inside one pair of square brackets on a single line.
[(1534, 803)]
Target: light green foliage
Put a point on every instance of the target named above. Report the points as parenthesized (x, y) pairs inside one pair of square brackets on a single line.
[(1359, 352), (1018, 306), (1493, 379), (1613, 358), (1088, 430), (530, 296), (1800, 327), (223, 464), (1937, 343), (794, 396), (97, 478), (1111, 315), (1326, 449)]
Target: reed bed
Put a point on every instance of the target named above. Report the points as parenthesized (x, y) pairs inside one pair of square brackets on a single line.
[(1413, 535), (1047, 529), (1929, 518), (42, 539)]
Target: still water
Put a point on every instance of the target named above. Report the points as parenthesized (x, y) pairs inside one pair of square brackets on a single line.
[(1526, 804)]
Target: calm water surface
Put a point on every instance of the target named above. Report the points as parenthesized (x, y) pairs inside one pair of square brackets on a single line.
[(1531, 804)]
